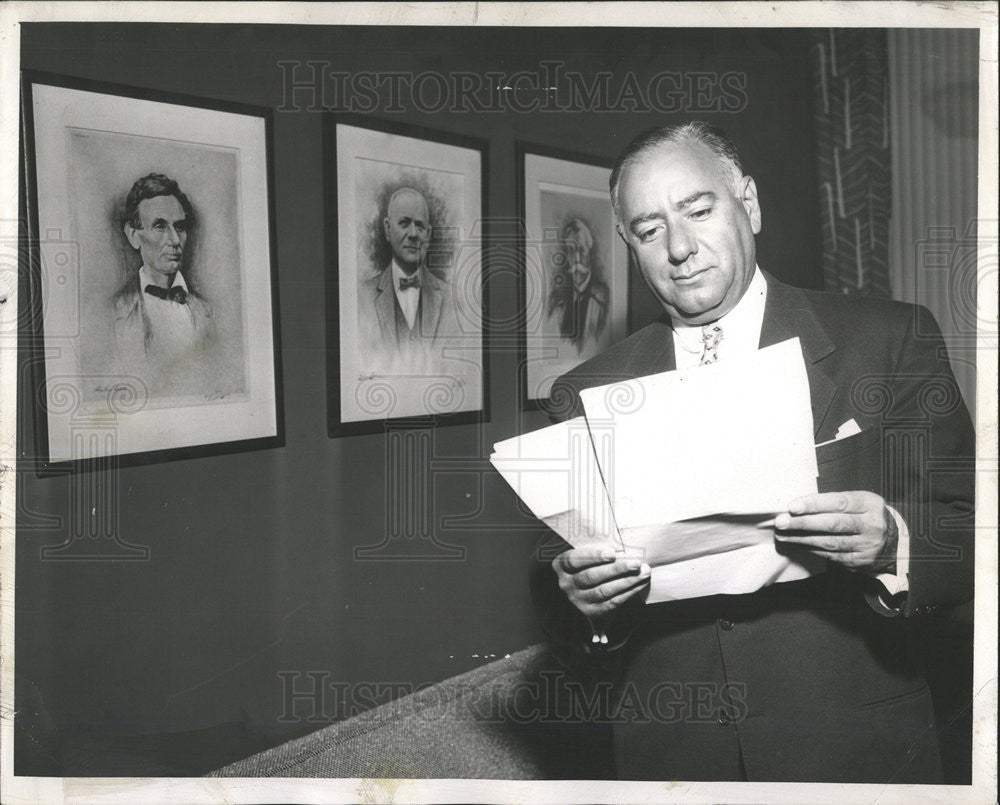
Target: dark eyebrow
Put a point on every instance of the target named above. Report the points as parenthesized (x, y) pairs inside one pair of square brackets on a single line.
[(687, 201), (639, 220)]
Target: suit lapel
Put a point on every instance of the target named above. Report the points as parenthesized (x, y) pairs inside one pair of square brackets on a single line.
[(430, 304), (385, 305), (787, 314), (655, 352)]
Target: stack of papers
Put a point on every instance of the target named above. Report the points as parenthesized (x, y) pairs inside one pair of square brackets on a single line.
[(687, 467)]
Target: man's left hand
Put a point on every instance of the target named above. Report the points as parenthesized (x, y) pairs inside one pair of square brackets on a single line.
[(854, 529)]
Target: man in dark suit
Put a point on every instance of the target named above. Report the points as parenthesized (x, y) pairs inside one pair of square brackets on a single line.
[(161, 324), (406, 307), (810, 680)]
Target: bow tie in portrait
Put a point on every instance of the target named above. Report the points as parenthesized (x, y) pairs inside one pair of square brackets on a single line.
[(176, 294), (409, 282)]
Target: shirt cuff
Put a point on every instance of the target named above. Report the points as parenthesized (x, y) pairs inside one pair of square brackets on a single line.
[(898, 582)]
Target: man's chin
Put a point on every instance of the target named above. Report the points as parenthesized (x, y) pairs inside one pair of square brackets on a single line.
[(695, 311)]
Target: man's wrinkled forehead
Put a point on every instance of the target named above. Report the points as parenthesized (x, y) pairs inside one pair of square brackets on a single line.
[(678, 174), (166, 207)]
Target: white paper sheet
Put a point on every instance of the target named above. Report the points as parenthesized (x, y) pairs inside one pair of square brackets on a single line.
[(734, 437), (555, 472), (685, 467)]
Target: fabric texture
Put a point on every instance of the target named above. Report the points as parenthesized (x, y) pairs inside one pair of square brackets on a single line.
[(851, 79), (711, 335), (505, 720)]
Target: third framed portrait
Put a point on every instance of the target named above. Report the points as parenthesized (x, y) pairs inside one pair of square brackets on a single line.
[(575, 277), (404, 282)]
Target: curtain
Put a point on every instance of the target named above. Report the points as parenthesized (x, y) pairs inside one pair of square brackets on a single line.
[(852, 134), (934, 109)]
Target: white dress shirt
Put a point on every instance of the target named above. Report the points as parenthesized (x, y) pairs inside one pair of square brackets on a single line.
[(741, 328), (172, 324), (409, 299)]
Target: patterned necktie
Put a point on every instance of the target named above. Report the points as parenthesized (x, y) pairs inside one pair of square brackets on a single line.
[(175, 294), (711, 335), (409, 282)]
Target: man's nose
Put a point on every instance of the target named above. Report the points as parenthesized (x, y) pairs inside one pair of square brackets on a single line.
[(173, 236), (681, 244)]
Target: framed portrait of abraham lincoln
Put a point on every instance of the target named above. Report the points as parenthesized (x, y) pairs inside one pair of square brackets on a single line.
[(154, 321)]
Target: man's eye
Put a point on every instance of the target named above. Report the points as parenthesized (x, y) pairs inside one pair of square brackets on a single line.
[(180, 227), (158, 226), (647, 235), (698, 215)]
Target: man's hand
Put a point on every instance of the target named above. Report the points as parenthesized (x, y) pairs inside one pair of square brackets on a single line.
[(598, 580), (854, 529)]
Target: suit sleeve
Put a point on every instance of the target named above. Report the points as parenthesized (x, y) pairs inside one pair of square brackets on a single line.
[(929, 456)]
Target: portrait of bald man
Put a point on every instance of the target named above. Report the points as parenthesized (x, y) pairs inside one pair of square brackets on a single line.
[(408, 309)]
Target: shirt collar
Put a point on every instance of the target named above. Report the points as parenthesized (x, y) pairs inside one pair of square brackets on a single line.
[(146, 278), (741, 325), (398, 274)]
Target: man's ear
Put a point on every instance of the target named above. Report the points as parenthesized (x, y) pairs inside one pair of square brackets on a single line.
[(621, 233), (385, 227), (750, 203), (131, 234)]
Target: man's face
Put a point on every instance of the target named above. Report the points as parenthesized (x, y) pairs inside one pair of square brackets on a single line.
[(408, 229), (691, 236), (163, 235), (576, 249)]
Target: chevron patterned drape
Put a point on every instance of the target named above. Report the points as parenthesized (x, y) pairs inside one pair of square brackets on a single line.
[(852, 134)]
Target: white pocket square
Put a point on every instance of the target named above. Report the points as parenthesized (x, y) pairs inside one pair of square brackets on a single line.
[(849, 428)]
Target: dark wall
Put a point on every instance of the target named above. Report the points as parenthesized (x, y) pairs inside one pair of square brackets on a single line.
[(250, 570)]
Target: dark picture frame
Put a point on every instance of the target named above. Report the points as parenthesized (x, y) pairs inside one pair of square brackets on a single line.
[(427, 367), (564, 209), (112, 383)]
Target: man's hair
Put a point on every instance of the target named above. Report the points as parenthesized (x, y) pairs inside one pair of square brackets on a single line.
[(695, 131), (580, 231), (406, 189), (151, 186)]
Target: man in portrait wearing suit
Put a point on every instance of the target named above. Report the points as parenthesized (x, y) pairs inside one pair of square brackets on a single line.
[(579, 300), (818, 679), (161, 324), (412, 307)]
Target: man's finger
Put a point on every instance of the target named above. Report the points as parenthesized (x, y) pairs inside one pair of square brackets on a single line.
[(577, 559), (829, 543), (820, 523), (594, 576), (826, 502), (610, 595)]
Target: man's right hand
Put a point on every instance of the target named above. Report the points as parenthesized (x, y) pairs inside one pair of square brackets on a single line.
[(598, 580)]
